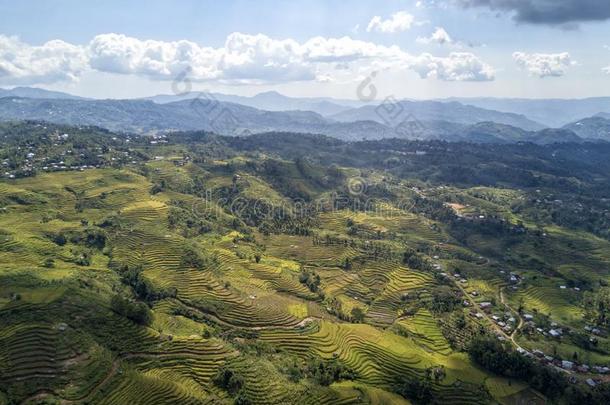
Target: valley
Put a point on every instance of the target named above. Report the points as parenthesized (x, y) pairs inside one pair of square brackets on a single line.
[(211, 269)]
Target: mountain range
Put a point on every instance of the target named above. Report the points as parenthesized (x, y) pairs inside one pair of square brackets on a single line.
[(343, 119), (270, 101), (550, 112)]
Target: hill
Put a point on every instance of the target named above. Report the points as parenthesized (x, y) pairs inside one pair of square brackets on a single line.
[(550, 112), (288, 268), (597, 127), (33, 92), (270, 101), (142, 116), (394, 114)]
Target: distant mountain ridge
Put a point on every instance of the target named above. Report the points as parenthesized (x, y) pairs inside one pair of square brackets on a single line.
[(550, 112), (596, 127), (33, 92), (408, 119), (456, 112), (270, 101), (143, 116)]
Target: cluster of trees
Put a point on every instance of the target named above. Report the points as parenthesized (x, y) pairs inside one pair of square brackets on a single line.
[(138, 312), (311, 279), (90, 237), (143, 288), (416, 260), (444, 299), (326, 372), (419, 391), (597, 306), (188, 222), (492, 355), (232, 381)]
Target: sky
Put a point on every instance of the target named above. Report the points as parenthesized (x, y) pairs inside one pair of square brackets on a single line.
[(307, 48)]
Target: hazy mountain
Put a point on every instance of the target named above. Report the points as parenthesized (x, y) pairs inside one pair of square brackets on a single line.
[(554, 135), (33, 92), (394, 114), (145, 116), (596, 127), (551, 112), (270, 101), (491, 132)]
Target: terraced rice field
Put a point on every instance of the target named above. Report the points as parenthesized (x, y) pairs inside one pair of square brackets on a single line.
[(550, 301), (424, 329), (244, 307), (383, 311)]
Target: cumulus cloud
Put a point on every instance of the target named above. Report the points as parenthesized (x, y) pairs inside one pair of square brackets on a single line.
[(552, 12), (439, 36), (250, 58), (399, 21), (458, 66), (116, 53), (544, 64), (53, 61), (243, 58)]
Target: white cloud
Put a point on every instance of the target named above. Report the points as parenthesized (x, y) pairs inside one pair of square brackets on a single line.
[(399, 21), (439, 36), (243, 58), (544, 64), (117, 53), (53, 61), (458, 66), (260, 58)]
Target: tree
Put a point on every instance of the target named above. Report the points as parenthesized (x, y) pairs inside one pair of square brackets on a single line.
[(135, 311), (357, 315)]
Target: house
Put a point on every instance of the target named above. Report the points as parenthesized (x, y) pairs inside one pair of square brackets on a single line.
[(555, 332), (524, 352), (495, 318), (485, 304), (563, 287), (590, 382), (501, 324), (538, 353), (567, 365), (528, 317)]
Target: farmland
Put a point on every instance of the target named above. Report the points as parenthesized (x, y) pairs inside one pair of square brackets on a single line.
[(210, 273)]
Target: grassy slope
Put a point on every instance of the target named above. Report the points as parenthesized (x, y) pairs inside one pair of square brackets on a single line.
[(105, 358)]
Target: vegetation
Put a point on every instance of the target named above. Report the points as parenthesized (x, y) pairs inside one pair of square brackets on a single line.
[(300, 269)]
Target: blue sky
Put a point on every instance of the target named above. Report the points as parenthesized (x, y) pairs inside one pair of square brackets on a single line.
[(414, 49)]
